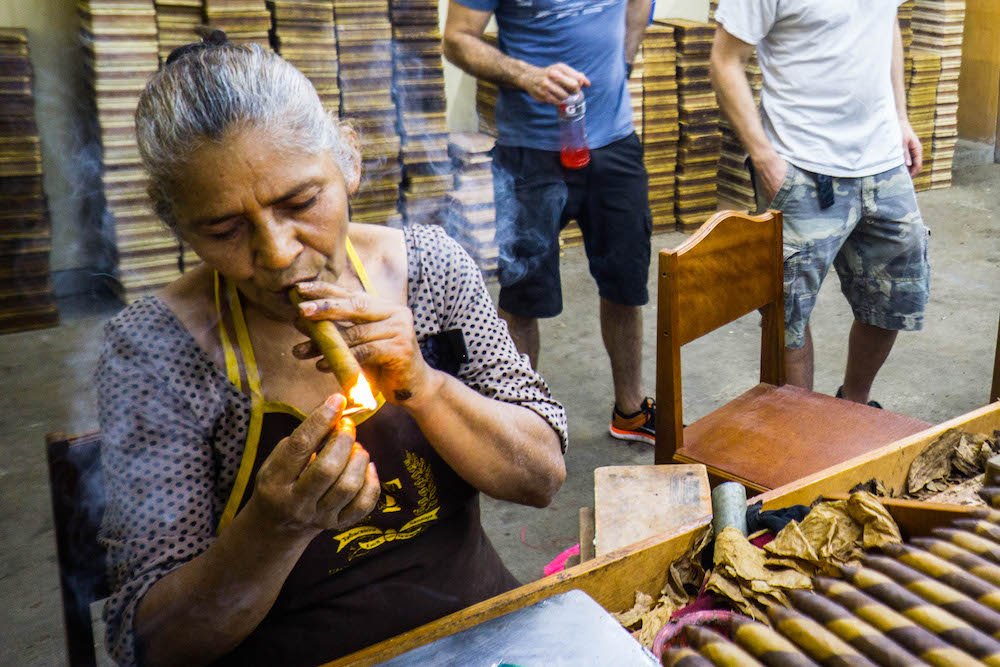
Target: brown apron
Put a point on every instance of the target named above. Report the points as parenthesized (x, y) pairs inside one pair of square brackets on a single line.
[(421, 554)]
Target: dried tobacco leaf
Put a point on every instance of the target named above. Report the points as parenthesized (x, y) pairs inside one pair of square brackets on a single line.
[(934, 463), (877, 524)]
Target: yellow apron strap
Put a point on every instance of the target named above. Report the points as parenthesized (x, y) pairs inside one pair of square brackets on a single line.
[(359, 268), (256, 409), (232, 367)]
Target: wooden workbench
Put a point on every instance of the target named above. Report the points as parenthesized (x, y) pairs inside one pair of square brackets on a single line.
[(614, 578)]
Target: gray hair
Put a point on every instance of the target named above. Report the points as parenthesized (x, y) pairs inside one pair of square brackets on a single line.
[(209, 92)]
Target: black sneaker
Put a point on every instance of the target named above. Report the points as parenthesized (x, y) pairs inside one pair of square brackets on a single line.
[(871, 404), (638, 427)]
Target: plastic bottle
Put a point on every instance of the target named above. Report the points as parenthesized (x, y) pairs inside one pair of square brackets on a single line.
[(574, 153)]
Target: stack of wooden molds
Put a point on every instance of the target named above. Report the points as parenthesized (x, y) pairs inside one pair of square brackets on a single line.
[(305, 36), (660, 129), (26, 300), (471, 216), (921, 105), (700, 139), (120, 54), (364, 40), (176, 24), (421, 109)]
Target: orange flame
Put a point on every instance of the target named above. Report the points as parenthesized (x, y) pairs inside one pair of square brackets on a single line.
[(361, 394)]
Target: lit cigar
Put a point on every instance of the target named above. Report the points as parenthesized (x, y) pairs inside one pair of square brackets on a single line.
[(944, 624), (684, 657), (979, 527), (859, 634), (946, 572), (816, 641), (974, 565), (922, 643), (764, 643), (718, 649), (938, 593), (335, 349), (991, 494), (971, 542)]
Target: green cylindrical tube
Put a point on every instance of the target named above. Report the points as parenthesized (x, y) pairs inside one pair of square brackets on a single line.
[(943, 623), (971, 542), (816, 641), (859, 634), (922, 643), (938, 594), (717, 648), (971, 563), (767, 645), (979, 527), (684, 657), (947, 573)]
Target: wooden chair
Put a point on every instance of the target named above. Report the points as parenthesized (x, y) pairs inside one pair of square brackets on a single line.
[(77, 488), (774, 433)]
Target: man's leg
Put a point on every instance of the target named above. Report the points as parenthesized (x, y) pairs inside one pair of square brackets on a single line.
[(867, 349), (524, 332), (799, 363), (621, 329)]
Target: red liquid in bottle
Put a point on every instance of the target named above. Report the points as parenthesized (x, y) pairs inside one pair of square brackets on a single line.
[(575, 158)]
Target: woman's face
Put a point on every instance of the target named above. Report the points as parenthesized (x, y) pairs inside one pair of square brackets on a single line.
[(264, 216)]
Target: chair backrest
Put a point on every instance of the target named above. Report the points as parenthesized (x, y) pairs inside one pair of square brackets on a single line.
[(731, 266), (78, 500)]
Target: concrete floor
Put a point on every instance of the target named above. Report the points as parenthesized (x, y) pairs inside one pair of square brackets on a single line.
[(934, 375)]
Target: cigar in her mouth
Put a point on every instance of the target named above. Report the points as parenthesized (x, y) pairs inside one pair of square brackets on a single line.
[(335, 349)]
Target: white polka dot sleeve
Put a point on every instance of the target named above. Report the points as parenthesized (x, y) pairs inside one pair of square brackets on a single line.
[(158, 471), (447, 292)]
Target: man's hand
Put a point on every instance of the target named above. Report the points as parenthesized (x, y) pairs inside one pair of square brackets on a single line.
[(770, 173), (913, 152), (552, 84)]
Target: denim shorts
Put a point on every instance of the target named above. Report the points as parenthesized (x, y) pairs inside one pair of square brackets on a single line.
[(536, 197), (873, 235)]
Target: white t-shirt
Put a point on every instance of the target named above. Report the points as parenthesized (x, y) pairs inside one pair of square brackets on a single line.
[(827, 103)]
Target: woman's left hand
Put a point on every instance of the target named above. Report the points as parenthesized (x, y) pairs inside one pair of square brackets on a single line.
[(379, 332)]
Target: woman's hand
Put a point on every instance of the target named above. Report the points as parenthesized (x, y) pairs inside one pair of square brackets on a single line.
[(304, 494), (380, 334)]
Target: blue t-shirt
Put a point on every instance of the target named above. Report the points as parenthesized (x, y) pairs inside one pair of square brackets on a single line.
[(587, 35)]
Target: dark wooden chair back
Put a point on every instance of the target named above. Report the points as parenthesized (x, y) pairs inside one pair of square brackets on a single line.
[(77, 487), (731, 266)]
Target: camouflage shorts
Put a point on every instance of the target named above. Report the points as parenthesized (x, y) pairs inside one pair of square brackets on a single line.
[(873, 235)]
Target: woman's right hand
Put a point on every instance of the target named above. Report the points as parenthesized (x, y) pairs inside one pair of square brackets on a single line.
[(304, 495)]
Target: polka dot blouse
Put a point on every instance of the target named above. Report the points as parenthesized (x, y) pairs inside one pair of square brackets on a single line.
[(174, 427)]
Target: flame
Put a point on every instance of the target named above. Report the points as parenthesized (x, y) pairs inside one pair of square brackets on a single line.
[(361, 394)]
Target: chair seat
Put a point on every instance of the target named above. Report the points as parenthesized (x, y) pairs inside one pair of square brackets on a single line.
[(770, 435)]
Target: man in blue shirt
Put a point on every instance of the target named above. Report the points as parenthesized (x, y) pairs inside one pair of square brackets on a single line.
[(549, 50)]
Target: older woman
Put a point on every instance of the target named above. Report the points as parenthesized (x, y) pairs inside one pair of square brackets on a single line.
[(246, 521)]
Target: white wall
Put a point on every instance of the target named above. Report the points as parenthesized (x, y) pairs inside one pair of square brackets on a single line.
[(460, 88)]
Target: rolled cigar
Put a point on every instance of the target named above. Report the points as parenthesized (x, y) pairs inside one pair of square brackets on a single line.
[(335, 349), (684, 657), (816, 641), (925, 645), (947, 573), (717, 648), (764, 643), (990, 514), (938, 593), (991, 494), (971, 563), (971, 542), (944, 624), (979, 527), (859, 634)]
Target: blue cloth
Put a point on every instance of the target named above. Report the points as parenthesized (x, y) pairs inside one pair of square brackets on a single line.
[(587, 35)]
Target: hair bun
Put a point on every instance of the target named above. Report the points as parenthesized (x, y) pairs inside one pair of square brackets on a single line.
[(210, 37)]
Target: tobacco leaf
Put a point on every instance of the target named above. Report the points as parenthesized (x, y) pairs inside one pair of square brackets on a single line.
[(631, 617), (934, 463), (877, 524)]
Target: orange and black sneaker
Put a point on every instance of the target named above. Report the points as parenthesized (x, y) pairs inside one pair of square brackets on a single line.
[(639, 426)]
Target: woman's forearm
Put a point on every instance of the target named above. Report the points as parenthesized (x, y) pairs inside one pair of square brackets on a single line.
[(504, 450), (206, 607)]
